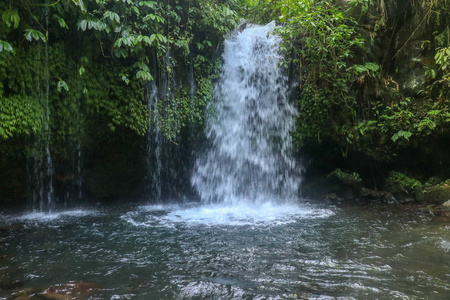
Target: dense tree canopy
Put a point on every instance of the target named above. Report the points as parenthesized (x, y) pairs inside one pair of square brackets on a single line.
[(96, 57)]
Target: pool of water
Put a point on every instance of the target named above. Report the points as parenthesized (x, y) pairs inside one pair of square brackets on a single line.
[(269, 251)]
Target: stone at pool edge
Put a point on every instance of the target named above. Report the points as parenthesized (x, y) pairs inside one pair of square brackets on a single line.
[(445, 207)]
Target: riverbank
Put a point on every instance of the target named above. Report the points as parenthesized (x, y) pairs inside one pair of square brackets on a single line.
[(340, 187)]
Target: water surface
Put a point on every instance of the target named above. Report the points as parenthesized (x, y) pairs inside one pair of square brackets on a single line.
[(189, 251)]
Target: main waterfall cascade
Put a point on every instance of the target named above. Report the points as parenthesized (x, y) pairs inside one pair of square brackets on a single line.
[(249, 127)]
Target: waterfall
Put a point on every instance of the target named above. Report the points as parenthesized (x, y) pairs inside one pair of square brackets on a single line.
[(40, 168), (154, 144), (249, 159)]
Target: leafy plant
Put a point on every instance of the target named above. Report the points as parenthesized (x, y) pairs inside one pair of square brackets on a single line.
[(398, 182)]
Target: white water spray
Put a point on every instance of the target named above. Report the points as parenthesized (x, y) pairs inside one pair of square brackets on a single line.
[(250, 159)]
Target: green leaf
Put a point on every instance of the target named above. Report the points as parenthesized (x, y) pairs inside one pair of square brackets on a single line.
[(82, 25), (150, 4), (118, 43), (11, 18), (161, 38), (136, 10), (112, 15), (152, 38), (62, 84), (61, 22), (147, 40), (81, 70), (124, 77), (401, 134), (144, 75), (31, 34), (6, 46)]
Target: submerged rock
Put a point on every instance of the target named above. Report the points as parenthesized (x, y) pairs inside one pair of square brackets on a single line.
[(23, 294), (71, 290), (5, 228), (8, 283)]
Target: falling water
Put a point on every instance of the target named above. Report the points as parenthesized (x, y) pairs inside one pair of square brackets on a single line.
[(249, 129), (48, 156), (40, 168), (154, 145)]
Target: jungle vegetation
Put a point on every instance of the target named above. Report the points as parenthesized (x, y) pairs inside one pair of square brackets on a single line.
[(372, 79)]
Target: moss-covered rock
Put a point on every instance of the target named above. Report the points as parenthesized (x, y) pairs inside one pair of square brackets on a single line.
[(436, 194)]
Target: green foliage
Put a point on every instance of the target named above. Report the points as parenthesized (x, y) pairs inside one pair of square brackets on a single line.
[(398, 182), (346, 94), (97, 75), (19, 115), (347, 178), (264, 11), (324, 40), (186, 108), (31, 34)]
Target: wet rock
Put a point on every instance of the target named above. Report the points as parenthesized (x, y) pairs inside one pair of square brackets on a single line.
[(242, 27), (444, 219), (71, 290), (347, 194), (333, 197), (389, 199), (443, 210), (5, 259), (4, 228), (8, 227), (407, 200), (372, 194), (437, 194), (23, 294), (445, 207), (429, 209), (7, 283)]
